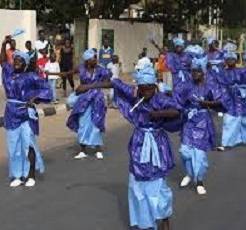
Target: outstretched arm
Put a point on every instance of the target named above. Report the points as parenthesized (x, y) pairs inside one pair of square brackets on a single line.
[(96, 85), (60, 74), (211, 104), (166, 113), (3, 56), (156, 45)]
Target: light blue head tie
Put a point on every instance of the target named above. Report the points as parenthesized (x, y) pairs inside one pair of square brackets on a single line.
[(23, 55), (146, 76), (211, 40), (89, 54), (178, 42), (230, 55), (200, 63)]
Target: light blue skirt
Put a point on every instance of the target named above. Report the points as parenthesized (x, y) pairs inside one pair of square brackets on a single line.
[(149, 201), (18, 143), (195, 162), (234, 130), (88, 133), (72, 99)]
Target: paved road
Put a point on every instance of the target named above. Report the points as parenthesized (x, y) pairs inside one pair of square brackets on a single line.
[(92, 195)]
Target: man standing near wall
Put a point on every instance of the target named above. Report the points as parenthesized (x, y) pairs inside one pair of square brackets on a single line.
[(41, 43), (105, 53)]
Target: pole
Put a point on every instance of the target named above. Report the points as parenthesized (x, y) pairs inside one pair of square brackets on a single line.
[(20, 4)]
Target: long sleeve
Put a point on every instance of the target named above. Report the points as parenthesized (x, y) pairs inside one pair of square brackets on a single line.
[(170, 62), (124, 99)]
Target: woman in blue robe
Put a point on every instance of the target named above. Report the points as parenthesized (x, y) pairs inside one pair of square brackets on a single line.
[(233, 81), (214, 55), (151, 158), (198, 134), (87, 118), (22, 90), (179, 63)]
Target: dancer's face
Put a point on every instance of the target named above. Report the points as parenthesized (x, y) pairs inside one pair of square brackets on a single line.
[(92, 62), (19, 65), (197, 75), (231, 62), (179, 49), (147, 91)]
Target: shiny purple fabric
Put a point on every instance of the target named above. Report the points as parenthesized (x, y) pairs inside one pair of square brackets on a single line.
[(94, 98), (215, 55), (140, 119), (177, 62), (199, 131), (230, 81), (22, 87)]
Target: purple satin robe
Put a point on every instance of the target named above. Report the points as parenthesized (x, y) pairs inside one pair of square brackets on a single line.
[(179, 62), (198, 130), (22, 87), (94, 98), (230, 81), (216, 55), (140, 119)]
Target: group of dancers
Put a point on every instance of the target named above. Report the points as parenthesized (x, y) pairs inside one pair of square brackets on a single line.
[(202, 82)]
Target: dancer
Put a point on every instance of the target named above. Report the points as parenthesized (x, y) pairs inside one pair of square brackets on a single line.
[(151, 159), (87, 118), (214, 55), (198, 135), (179, 63), (23, 89), (233, 80)]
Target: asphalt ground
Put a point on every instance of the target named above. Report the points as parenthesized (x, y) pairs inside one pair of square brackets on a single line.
[(92, 194)]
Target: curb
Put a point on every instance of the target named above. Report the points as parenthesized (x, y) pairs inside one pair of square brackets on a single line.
[(45, 112)]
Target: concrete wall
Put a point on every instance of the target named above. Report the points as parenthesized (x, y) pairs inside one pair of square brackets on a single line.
[(23, 19), (129, 39)]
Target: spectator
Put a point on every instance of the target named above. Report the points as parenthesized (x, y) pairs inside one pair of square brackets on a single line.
[(114, 68), (33, 56), (105, 53), (58, 47), (67, 65), (41, 43), (11, 51), (164, 74), (41, 62), (143, 53), (51, 69)]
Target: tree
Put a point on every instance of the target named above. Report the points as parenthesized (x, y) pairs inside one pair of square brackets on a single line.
[(234, 13)]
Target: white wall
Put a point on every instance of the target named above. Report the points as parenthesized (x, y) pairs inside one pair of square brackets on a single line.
[(23, 19), (208, 31), (129, 39)]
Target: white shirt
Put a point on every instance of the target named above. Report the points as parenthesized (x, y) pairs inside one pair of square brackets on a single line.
[(115, 70), (40, 45), (52, 67)]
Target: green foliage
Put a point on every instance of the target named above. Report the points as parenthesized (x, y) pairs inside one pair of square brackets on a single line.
[(173, 13)]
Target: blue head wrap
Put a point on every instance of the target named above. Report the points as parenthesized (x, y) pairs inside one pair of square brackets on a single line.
[(88, 54), (23, 55), (230, 47), (200, 63), (194, 49), (211, 40), (230, 55), (145, 76), (178, 42)]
